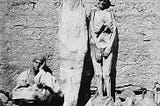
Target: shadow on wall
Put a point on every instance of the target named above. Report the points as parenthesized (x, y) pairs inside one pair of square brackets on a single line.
[(87, 75), (114, 64)]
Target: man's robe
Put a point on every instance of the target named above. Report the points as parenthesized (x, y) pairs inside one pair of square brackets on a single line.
[(29, 90)]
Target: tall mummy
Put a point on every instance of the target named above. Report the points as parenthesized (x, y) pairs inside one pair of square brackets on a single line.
[(73, 46)]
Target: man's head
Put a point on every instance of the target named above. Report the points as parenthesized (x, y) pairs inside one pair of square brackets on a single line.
[(37, 61), (103, 4)]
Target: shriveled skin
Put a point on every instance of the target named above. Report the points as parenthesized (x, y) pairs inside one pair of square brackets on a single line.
[(103, 41), (73, 46)]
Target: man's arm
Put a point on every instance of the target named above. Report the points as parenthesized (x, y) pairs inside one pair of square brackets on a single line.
[(113, 28)]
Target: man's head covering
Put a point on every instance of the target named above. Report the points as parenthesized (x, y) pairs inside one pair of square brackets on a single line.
[(41, 57)]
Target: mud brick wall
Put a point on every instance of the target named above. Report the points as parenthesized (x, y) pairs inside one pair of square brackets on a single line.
[(139, 47), (28, 27)]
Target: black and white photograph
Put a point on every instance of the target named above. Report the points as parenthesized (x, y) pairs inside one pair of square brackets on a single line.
[(79, 52)]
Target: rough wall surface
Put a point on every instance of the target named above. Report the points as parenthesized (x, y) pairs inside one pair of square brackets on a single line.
[(28, 27), (138, 24)]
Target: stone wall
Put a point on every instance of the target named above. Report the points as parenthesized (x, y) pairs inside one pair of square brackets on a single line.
[(28, 27), (138, 26)]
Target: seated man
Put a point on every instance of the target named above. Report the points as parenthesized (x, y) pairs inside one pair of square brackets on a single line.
[(36, 84)]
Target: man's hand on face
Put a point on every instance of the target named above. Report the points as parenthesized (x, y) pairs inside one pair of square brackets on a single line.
[(41, 66)]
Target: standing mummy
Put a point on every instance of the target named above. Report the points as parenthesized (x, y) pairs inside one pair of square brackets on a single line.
[(73, 46), (102, 43)]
